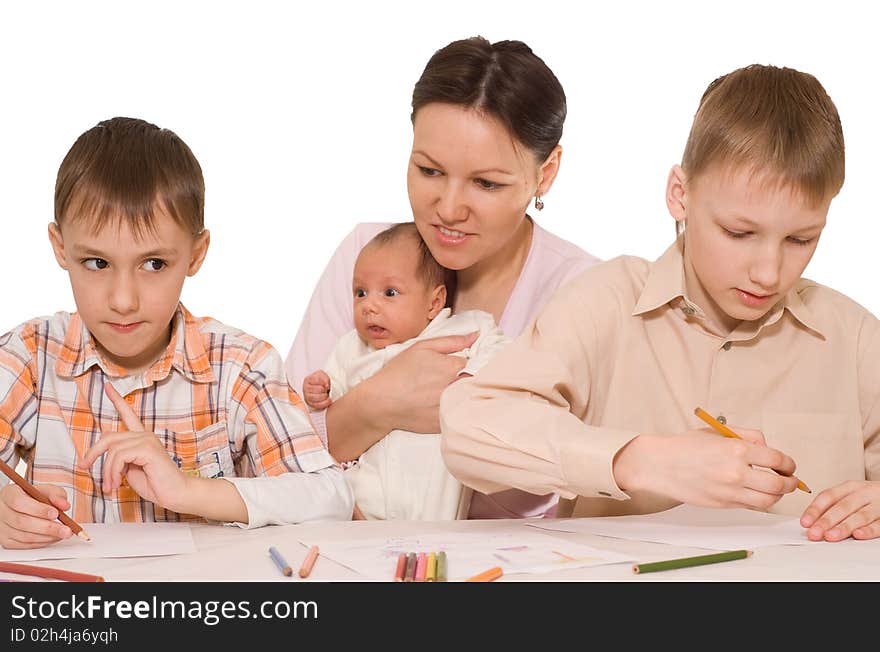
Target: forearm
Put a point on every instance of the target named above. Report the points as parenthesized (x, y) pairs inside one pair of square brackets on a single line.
[(214, 499), (493, 440), (357, 420), (295, 498)]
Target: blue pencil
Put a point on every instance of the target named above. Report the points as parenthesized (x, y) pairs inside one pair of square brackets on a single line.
[(282, 565)]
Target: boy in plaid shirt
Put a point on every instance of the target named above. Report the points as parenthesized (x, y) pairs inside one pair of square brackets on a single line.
[(132, 409)]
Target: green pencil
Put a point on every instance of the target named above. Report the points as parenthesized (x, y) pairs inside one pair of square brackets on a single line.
[(684, 562), (441, 566)]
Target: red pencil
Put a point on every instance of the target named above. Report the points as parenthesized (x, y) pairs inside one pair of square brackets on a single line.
[(50, 573), (401, 567)]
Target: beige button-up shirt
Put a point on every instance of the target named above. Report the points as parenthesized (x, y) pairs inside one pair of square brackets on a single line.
[(621, 351)]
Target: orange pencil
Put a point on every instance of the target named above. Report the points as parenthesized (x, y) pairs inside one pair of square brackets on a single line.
[(308, 562), (51, 573), (487, 575), (36, 494), (721, 429)]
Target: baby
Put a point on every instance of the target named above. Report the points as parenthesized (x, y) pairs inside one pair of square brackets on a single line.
[(399, 297)]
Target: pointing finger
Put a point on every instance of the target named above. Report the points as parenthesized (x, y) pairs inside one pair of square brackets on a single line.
[(128, 416)]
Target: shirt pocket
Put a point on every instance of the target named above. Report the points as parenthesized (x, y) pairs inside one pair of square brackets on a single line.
[(202, 453), (827, 447)]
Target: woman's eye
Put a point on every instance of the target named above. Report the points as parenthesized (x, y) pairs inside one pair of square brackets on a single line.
[(95, 264), (391, 292), (153, 265), (800, 241), (486, 184), (428, 172), (735, 234)]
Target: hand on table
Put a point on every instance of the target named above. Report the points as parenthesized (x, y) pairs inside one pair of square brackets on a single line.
[(851, 508)]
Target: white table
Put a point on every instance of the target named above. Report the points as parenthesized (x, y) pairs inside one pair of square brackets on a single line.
[(232, 554)]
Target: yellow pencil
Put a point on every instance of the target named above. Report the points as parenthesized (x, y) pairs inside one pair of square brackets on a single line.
[(721, 429), (431, 571)]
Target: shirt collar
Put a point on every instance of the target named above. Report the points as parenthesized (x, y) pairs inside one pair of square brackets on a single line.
[(185, 352), (665, 284)]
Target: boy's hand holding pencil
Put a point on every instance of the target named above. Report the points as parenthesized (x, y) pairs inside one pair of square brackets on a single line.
[(28, 521)]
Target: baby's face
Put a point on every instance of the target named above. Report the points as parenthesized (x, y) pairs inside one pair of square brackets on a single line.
[(392, 303)]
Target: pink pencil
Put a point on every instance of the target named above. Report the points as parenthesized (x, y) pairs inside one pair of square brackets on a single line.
[(421, 567)]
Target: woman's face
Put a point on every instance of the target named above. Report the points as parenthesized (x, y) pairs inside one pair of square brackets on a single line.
[(469, 183)]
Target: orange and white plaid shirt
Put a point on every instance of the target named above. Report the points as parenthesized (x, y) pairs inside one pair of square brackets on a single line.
[(217, 398)]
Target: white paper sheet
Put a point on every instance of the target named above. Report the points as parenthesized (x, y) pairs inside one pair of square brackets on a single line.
[(468, 554), (114, 540), (694, 527)]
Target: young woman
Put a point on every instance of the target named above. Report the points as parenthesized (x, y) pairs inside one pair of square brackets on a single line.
[(487, 120)]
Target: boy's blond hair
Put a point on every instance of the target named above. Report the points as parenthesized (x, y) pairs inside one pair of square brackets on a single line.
[(773, 121), (122, 170)]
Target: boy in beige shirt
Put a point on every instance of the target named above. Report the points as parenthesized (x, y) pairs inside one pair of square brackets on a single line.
[(596, 399)]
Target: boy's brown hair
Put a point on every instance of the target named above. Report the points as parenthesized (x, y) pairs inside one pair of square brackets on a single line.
[(775, 121), (122, 169)]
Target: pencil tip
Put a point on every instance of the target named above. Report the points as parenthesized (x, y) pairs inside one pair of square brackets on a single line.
[(82, 533)]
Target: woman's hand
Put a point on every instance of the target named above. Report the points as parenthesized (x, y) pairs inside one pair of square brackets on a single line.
[(851, 508), (404, 395), (701, 468)]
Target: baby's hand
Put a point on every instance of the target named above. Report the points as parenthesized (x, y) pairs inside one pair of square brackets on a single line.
[(316, 390)]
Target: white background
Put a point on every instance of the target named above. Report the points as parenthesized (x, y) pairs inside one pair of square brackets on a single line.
[(299, 115)]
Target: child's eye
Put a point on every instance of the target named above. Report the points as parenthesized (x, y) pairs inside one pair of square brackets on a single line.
[(95, 264), (485, 184), (153, 265), (799, 241), (735, 234), (391, 292), (429, 172), (360, 293)]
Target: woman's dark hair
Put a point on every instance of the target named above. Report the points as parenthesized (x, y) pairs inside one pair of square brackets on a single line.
[(505, 80)]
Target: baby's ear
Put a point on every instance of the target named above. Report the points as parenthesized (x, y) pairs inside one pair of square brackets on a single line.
[(438, 300)]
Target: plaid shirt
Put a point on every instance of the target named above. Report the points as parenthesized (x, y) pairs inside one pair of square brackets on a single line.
[(217, 398)]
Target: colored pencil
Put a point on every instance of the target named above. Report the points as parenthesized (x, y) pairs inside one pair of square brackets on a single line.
[(410, 572), (441, 566), (421, 567), (487, 575), (50, 573), (722, 429), (282, 565), (431, 570), (309, 562), (684, 562), (36, 494), (401, 567)]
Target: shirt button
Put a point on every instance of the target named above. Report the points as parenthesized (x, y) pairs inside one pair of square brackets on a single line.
[(722, 419), (727, 346), (130, 399), (688, 310)]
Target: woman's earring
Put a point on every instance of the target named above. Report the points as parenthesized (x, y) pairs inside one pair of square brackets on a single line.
[(539, 203)]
